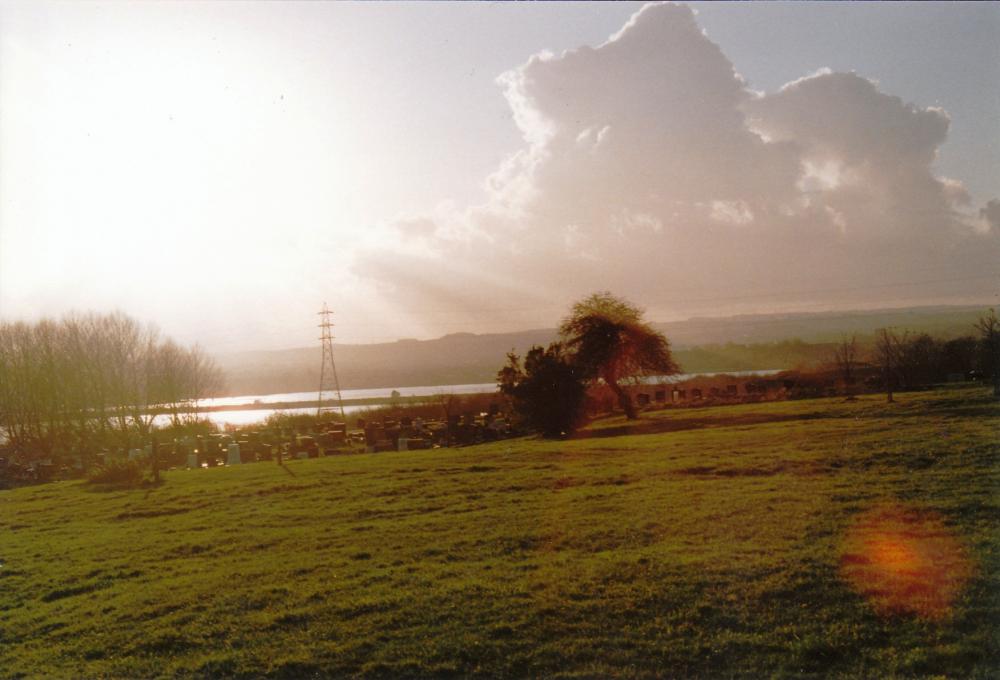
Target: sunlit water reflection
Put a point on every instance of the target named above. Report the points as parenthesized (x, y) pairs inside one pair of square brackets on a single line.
[(242, 417)]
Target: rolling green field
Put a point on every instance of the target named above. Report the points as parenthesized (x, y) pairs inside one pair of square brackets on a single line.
[(697, 542)]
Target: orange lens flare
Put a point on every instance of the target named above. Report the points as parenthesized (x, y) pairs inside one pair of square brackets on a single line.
[(905, 562)]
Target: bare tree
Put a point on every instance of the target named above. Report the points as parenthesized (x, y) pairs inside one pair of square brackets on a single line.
[(847, 358), (989, 330), (70, 386), (20, 388), (168, 381), (201, 378), (887, 353)]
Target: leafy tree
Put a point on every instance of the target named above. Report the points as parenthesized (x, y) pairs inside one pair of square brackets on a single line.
[(548, 392), (610, 341), (959, 355), (921, 361)]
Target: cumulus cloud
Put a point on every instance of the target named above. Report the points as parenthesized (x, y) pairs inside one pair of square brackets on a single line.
[(651, 169)]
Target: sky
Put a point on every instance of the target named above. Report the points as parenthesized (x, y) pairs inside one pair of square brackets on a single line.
[(222, 169)]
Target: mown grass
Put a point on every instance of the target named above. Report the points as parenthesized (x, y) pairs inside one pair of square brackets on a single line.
[(698, 542)]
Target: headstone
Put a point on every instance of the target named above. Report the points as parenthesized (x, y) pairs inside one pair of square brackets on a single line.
[(234, 454), (403, 444), (192, 460)]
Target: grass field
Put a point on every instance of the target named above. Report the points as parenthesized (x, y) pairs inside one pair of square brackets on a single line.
[(698, 542)]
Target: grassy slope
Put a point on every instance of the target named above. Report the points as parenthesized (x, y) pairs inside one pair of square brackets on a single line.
[(706, 544)]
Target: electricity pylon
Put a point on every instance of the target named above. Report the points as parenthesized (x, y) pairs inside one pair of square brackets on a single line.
[(328, 381)]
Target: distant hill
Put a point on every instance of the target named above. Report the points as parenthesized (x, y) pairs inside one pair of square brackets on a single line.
[(453, 359), (746, 342), (942, 321)]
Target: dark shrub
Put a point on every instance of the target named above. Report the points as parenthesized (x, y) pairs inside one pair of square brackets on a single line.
[(548, 393), (126, 473)]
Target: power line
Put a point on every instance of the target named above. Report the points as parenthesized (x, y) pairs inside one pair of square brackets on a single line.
[(326, 337)]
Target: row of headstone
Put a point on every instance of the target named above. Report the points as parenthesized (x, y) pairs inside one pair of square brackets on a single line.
[(232, 457)]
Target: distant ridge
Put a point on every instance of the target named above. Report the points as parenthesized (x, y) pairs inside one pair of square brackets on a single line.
[(819, 326), (459, 358)]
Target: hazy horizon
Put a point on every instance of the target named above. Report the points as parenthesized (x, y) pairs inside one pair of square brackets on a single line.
[(846, 313), (223, 169)]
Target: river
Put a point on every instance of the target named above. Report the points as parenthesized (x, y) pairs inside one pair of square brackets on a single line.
[(246, 416)]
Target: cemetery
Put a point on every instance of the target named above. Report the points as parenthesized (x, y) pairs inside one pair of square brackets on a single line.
[(413, 425)]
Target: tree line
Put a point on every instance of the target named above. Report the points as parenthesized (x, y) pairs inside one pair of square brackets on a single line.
[(92, 381), (906, 361), (605, 339)]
